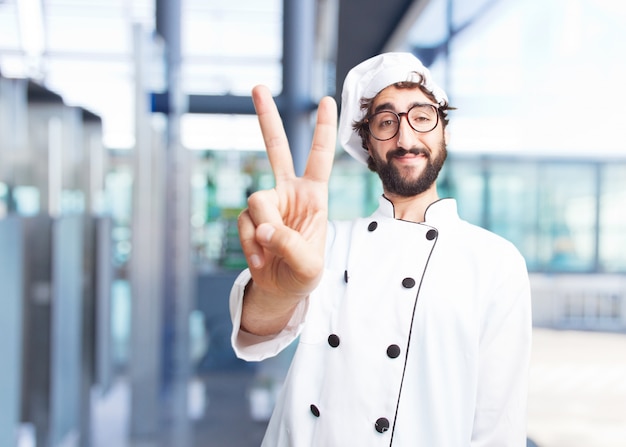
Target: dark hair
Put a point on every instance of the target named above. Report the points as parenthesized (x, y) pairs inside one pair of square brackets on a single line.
[(360, 127)]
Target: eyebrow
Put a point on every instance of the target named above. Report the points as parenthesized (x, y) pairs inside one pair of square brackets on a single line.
[(390, 106)]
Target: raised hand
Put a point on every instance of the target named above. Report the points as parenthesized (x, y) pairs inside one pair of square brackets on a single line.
[(283, 230)]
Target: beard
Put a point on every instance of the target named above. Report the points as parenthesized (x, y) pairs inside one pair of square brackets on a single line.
[(394, 182)]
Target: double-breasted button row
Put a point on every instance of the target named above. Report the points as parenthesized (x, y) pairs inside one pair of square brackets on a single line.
[(430, 234), (381, 425), (393, 351), (407, 283)]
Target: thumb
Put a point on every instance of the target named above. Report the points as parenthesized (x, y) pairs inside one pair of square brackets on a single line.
[(280, 240), (264, 234), (290, 246)]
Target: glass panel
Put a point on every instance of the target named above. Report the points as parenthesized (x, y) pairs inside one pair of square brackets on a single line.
[(27, 200), (567, 214), (512, 208), (546, 209), (353, 190), (119, 184), (464, 180), (612, 236)]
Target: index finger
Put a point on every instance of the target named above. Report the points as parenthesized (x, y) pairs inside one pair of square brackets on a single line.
[(274, 135), (320, 162)]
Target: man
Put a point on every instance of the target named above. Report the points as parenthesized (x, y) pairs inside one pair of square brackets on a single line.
[(414, 326)]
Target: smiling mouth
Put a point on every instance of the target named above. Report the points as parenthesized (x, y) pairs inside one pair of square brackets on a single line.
[(411, 153)]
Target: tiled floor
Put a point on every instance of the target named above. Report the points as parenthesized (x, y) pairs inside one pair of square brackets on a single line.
[(577, 395)]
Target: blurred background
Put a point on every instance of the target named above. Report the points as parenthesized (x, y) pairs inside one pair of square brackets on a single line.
[(128, 146)]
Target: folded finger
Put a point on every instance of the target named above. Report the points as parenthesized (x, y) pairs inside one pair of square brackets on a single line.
[(252, 250), (263, 207), (303, 260)]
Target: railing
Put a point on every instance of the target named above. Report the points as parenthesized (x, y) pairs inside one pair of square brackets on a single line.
[(583, 302)]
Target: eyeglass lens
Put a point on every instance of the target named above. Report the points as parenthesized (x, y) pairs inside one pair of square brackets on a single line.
[(384, 125)]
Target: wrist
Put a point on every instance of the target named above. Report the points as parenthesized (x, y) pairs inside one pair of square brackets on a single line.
[(265, 312)]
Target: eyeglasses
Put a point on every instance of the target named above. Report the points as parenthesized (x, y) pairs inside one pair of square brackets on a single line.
[(384, 125)]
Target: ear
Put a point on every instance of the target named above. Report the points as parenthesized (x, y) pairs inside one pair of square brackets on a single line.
[(368, 143), (446, 136)]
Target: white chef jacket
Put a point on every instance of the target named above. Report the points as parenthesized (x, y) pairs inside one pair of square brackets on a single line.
[(418, 335)]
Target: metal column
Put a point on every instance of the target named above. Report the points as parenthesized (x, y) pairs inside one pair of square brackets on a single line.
[(177, 266), (298, 60), (145, 263)]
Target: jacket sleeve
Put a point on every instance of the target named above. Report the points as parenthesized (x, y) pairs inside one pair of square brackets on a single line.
[(252, 347), (505, 345)]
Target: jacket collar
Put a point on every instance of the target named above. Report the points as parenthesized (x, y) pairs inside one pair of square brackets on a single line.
[(441, 211)]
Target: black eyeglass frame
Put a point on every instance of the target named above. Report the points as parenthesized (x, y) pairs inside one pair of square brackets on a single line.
[(399, 117)]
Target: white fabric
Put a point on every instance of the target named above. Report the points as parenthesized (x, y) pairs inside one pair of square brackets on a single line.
[(463, 381), (366, 80)]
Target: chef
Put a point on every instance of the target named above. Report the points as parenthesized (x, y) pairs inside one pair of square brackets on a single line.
[(414, 326)]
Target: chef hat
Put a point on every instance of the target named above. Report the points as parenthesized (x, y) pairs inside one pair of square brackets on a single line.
[(366, 80)]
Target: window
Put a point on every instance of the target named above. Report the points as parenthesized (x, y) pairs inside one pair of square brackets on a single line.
[(612, 235)]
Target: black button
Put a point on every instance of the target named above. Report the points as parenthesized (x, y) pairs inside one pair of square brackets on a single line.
[(431, 234), (408, 283), (333, 340), (372, 226), (382, 425), (345, 276), (393, 351), (315, 411)]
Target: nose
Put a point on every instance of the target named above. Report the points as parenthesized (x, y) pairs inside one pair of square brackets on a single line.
[(407, 136)]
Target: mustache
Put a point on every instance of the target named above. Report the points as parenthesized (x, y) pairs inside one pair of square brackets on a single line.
[(400, 152)]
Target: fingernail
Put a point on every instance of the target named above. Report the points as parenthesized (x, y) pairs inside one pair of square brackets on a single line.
[(255, 261), (266, 232)]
